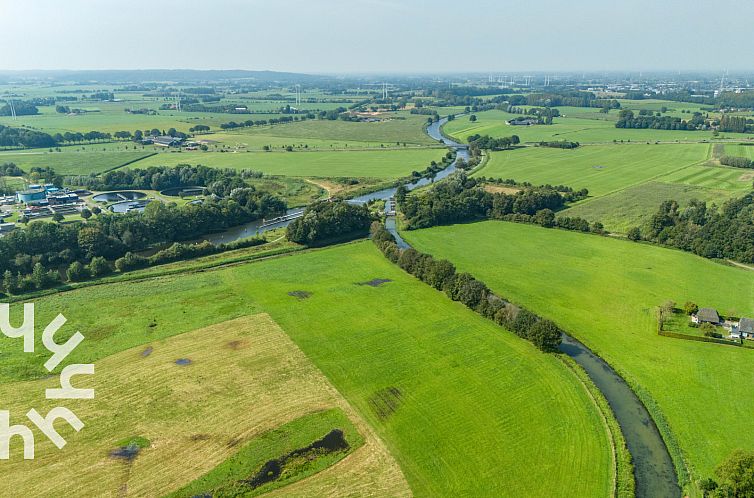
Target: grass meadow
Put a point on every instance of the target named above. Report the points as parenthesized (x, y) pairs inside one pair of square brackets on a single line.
[(465, 407), (604, 292), (246, 371), (600, 168), (575, 128), (634, 206), (372, 163), (74, 162)]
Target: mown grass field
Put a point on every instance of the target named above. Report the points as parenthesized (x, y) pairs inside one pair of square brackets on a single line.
[(400, 127), (374, 164), (599, 168), (72, 162), (574, 128), (245, 378), (740, 150), (635, 205), (478, 410), (604, 292)]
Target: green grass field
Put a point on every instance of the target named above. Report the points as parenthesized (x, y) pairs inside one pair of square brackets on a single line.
[(478, 410), (74, 162), (375, 164), (599, 168), (604, 292), (635, 205), (575, 128), (739, 150), (402, 127)]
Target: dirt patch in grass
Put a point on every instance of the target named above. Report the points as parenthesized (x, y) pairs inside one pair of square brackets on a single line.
[(237, 344), (127, 453), (300, 294), (747, 177), (200, 437), (385, 401), (501, 189), (375, 282)]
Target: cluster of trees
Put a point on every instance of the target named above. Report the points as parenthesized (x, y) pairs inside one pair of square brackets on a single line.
[(627, 119), (489, 143), (725, 232), (326, 221), (559, 144), (20, 107), (460, 198), (22, 137), (44, 247), (735, 478), (462, 287), (737, 162), (199, 129), (261, 122), (219, 181), (733, 123), (10, 169)]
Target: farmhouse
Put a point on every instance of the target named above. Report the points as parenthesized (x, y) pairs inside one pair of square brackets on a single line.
[(167, 141), (523, 121), (706, 315), (746, 327)]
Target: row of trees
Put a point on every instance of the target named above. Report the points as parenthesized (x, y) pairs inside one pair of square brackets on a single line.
[(737, 162), (219, 181), (261, 122), (712, 232), (324, 221), (559, 144), (463, 287), (735, 124), (627, 119)]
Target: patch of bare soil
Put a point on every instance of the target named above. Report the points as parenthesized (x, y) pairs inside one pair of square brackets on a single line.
[(375, 282), (501, 189), (300, 294)]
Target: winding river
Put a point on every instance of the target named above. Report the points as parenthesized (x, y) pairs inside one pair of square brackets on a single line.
[(653, 468)]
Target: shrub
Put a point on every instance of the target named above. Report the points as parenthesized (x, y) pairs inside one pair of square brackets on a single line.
[(76, 272)]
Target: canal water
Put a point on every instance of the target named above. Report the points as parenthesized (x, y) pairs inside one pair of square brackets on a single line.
[(653, 467)]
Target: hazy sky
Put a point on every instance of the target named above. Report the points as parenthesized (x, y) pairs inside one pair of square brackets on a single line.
[(329, 36)]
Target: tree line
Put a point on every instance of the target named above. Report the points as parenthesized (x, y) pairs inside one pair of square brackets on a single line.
[(725, 232), (219, 181), (49, 246), (463, 287), (627, 119), (737, 162)]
